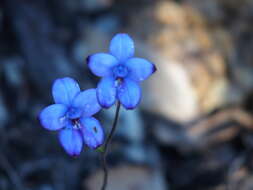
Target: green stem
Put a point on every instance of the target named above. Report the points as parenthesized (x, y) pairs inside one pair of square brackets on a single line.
[(107, 142)]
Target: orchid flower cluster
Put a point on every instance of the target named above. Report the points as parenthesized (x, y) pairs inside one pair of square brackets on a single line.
[(73, 110)]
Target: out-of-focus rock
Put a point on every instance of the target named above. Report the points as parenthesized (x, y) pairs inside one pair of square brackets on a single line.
[(217, 11), (130, 134), (130, 125), (236, 15), (191, 76), (221, 127), (129, 177), (246, 183), (170, 93), (212, 10), (171, 134)]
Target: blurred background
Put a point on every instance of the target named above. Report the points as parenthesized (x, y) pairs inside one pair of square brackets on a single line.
[(193, 129)]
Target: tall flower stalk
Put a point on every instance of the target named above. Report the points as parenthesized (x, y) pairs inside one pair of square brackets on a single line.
[(121, 74), (105, 147)]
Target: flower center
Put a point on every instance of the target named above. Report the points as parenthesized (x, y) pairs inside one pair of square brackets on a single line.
[(76, 124), (71, 120), (73, 113), (120, 71)]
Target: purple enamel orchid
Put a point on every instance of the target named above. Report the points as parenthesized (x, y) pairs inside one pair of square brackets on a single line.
[(72, 115), (121, 73)]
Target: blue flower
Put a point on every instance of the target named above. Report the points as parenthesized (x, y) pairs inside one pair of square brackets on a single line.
[(121, 73), (71, 114)]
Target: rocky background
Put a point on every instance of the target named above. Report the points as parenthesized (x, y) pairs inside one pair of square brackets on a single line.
[(193, 129)]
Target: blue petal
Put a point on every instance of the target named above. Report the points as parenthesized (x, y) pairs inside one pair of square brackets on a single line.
[(140, 69), (129, 93), (87, 102), (93, 134), (122, 46), (106, 92), (71, 140), (52, 117), (101, 64), (64, 90)]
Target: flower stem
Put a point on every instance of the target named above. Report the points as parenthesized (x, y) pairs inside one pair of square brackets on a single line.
[(107, 142)]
